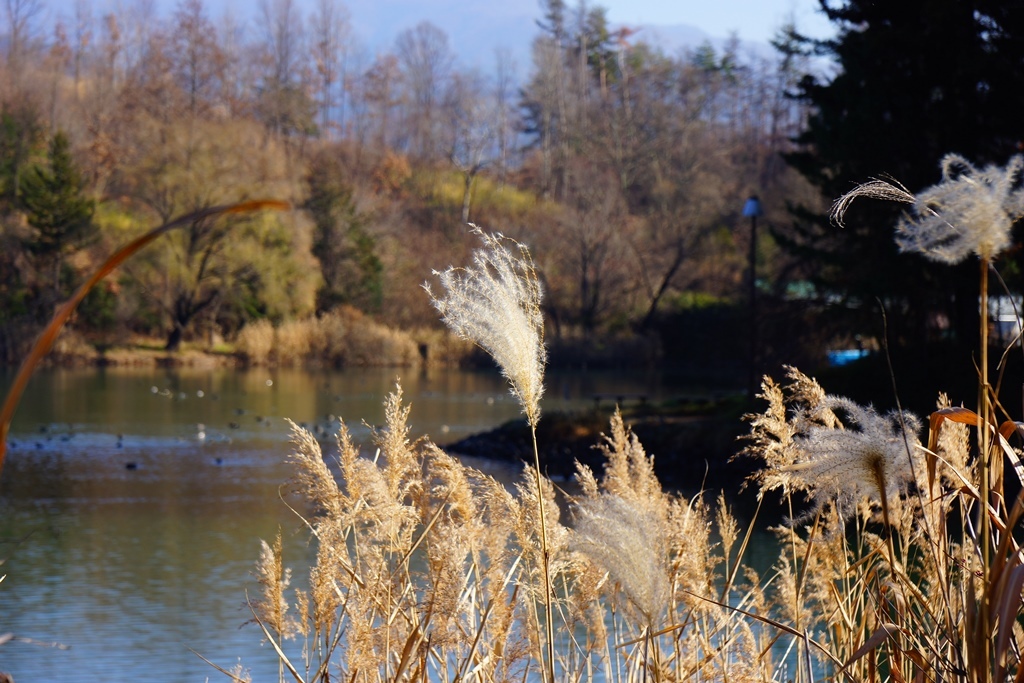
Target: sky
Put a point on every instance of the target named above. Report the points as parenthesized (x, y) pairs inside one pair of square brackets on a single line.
[(752, 19), (477, 28)]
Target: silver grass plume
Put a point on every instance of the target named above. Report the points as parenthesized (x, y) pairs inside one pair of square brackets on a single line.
[(495, 303), (968, 211), (623, 538), (831, 447), (874, 456)]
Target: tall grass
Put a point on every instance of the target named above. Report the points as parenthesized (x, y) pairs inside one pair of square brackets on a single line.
[(342, 337), (897, 563), (428, 569)]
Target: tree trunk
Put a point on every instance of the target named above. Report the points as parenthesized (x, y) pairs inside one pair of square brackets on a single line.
[(174, 338), (467, 196)]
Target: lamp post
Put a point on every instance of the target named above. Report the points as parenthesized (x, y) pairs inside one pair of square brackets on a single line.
[(752, 209)]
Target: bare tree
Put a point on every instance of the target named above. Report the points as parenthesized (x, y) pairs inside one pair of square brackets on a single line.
[(111, 47), (22, 17), (329, 26), (281, 26), (240, 74), (426, 61), (505, 125), (138, 20), (688, 197), (284, 102), (591, 241), (58, 59), (198, 60), (379, 93), (83, 35), (474, 123)]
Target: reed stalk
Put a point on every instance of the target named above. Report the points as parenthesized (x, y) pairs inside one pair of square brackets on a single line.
[(549, 613), (985, 456)]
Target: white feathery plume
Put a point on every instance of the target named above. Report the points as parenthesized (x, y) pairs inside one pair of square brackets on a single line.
[(969, 211), (627, 541), (874, 189), (875, 456), (495, 303)]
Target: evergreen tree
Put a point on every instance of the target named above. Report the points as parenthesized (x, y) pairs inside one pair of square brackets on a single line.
[(352, 271), (20, 137), (915, 80), (52, 196)]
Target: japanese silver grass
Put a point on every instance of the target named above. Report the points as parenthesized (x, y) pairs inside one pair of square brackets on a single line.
[(873, 455), (624, 539), (874, 189), (495, 303), (835, 450), (969, 211)]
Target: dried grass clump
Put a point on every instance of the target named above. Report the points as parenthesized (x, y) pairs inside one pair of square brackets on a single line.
[(371, 343), (327, 339), (292, 341), (71, 348), (416, 574), (343, 337), (427, 569), (666, 582), (886, 572), (832, 449), (443, 348), (347, 337), (255, 341)]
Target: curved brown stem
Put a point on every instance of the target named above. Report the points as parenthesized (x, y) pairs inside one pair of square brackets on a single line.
[(48, 336)]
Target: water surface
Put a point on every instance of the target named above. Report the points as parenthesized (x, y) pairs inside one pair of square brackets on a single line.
[(133, 501)]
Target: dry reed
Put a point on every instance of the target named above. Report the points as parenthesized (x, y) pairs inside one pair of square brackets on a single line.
[(339, 338), (970, 212), (903, 567), (255, 341), (427, 569)]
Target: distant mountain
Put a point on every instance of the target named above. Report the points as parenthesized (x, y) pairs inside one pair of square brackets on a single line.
[(477, 30), (680, 38)]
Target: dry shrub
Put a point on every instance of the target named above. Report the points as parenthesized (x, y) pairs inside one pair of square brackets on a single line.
[(346, 336), (71, 348), (391, 174), (343, 337), (292, 341), (370, 343), (255, 341), (444, 349), (326, 339)]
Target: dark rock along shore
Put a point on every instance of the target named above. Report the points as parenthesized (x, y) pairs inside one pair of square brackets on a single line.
[(691, 453)]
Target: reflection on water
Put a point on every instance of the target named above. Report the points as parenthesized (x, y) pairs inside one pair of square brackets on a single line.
[(132, 503)]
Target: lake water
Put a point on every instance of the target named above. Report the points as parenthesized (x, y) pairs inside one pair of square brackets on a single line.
[(133, 501)]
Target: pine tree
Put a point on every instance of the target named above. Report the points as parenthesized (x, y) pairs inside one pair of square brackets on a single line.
[(351, 269), (52, 196), (915, 80)]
